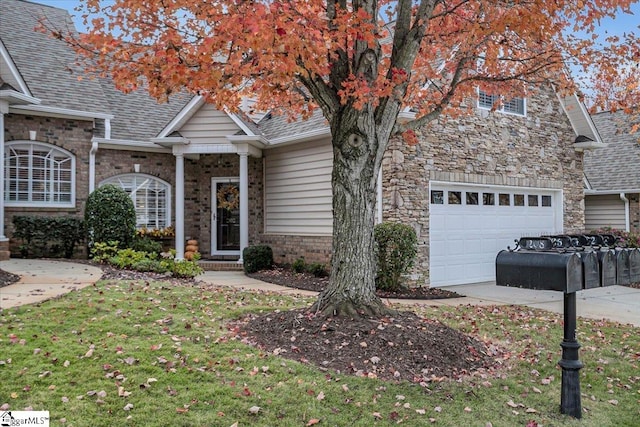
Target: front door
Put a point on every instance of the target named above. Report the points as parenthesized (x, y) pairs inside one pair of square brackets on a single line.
[(225, 217)]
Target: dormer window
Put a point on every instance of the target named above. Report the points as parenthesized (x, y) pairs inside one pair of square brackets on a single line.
[(517, 106)]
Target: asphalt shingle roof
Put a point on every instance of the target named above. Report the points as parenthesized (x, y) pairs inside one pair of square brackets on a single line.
[(278, 126), (615, 167), (45, 63)]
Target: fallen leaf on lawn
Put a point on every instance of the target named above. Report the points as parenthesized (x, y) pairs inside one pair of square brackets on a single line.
[(102, 394), (377, 415), (14, 395), (432, 420), (512, 404), (320, 396), (421, 411), (52, 387), (234, 425), (536, 390), (182, 410), (313, 421), (128, 407), (65, 399), (44, 374), (531, 411), (437, 409), (345, 387), (613, 402), (4, 407), (122, 392), (66, 364), (467, 409)]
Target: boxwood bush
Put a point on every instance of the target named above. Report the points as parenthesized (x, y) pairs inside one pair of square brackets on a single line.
[(396, 249), (110, 216), (258, 257)]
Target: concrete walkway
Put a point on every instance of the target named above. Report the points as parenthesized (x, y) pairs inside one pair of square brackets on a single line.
[(42, 280)]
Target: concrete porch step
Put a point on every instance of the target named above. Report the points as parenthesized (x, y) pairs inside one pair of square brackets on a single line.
[(214, 265)]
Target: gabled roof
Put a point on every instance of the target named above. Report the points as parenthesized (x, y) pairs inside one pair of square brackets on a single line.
[(44, 63), (616, 167)]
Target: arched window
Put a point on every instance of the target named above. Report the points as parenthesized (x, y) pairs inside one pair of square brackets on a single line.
[(39, 174), (151, 196)]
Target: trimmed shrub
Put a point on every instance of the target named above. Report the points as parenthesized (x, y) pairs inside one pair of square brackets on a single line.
[(317, 269), (52, 237), (104, 251), (396, 249), (299, 266), (258, 257), (110, 216)]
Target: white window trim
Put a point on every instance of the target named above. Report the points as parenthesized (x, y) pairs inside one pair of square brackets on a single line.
[(113, 180), (14, 203), (501, 108)]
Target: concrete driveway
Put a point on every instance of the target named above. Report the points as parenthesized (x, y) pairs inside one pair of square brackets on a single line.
[(618, 303)]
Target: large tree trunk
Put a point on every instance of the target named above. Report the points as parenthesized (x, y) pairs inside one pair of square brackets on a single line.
[(357, 156)]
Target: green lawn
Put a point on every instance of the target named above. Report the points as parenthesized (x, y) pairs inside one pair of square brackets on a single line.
[(154, 354)]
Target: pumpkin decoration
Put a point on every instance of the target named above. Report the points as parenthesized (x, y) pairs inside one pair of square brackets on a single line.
[(190, 250)]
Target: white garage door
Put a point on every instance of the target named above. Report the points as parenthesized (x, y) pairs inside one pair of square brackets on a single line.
[(469, 225)]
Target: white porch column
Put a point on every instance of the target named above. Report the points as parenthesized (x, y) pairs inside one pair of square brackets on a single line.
[(179, 206), (4, 108), (244, 202)]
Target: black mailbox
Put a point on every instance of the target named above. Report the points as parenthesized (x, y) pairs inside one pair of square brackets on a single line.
[(553, 271), (607, 264), (623, 271), (634, 265), (590, 270)]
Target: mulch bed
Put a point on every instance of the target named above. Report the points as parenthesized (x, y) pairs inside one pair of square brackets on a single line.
[(285, 277), (402, 346), (7, 278)]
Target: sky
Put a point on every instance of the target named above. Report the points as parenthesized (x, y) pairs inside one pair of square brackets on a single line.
[(618, 26)]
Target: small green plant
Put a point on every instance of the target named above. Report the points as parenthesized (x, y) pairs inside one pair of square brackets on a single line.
[(145, 244), (186, 269), (317, 269), (104, 251), (127, 258), (110, 216), (299, 266), (396, 248), (258, 257)]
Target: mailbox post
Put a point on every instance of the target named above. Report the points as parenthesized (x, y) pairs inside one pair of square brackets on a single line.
[(570, 403)]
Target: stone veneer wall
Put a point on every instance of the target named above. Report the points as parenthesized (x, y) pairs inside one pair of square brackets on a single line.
[(484, 148), (70, 134)]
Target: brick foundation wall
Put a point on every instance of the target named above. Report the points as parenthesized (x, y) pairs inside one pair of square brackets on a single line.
[(485, 148), (286, 249)]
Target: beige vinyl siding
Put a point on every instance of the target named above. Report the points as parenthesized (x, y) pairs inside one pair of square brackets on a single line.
[(604, 211), (298, 189), (209, 125)]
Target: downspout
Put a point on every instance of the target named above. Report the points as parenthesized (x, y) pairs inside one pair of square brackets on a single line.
[(92, 166), (627, 222)]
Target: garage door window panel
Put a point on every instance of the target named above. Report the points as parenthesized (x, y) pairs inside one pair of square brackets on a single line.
[(488, 199), (518, 200), (546, 201), (533, 199), (504, 199), (437, 197), (455, 197)]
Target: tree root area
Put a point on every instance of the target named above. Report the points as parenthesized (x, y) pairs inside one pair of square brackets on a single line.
[(401, 346)]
